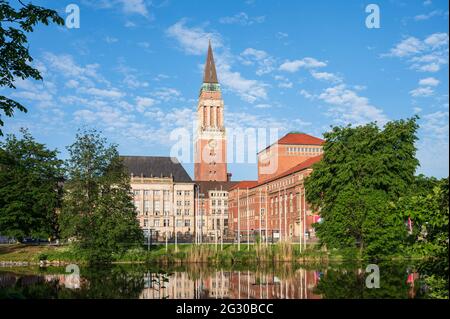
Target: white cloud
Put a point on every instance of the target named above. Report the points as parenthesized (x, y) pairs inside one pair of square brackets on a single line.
[(108, 93), (67, 67), (135, 7), (193, 40), (166, 94), (265, 63), (417, 110), (306, 63), (72, 84), (424, 56), (282, 35), (437, 40), (349, 107), (263, 106), (286, 85), (426, 16), (248, 90), (422, 92), (142, 103), (407, 47), (306, 94), (436, 124), (326, 76), (110, 40), (243, 19), (130, 24), (429, 82), (144, 44)]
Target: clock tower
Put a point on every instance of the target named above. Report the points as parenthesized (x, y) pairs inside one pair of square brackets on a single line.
[(211, 141)]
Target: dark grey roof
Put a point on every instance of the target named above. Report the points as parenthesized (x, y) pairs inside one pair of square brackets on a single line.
[(156, 166)]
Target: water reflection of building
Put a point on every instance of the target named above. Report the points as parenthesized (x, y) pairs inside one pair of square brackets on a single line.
[(249, 285), (235, 285)]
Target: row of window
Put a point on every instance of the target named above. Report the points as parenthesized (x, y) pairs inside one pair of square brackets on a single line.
[(219, 211), (218, 202), (295, 150), (166, 193), (187, 212), (166, 223)]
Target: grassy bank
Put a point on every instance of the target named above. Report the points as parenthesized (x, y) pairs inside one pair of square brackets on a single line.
[(171, 254)]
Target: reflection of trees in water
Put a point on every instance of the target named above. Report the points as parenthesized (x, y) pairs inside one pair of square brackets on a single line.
[(201, 281), (350, 283), (434, 278)]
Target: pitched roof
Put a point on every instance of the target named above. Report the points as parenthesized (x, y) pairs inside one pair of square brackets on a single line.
[(245, 184), (210, 75), (156, 166), (300, 138), (297, 139), (297, 168), (206, 186)]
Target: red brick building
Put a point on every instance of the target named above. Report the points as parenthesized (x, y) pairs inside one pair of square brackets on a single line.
[(274, 206)]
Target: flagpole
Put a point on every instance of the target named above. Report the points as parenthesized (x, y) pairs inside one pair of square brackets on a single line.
[(239, 221)]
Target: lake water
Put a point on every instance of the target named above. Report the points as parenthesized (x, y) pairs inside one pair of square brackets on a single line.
[(197, 281)]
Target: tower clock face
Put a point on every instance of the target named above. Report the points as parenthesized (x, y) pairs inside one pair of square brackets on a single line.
[(212, 144)]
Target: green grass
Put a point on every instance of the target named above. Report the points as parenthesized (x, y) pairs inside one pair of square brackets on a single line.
[(180, 254)]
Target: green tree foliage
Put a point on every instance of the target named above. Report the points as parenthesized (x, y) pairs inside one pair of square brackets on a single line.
[(15, 58), (429, 212), (364, 170), (30, 188), (98, 209)]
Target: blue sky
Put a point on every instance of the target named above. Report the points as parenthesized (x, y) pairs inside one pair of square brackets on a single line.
[(133, 70)]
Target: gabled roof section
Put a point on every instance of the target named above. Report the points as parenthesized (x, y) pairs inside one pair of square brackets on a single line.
[(297, 139), (245, 184), (155, 166), (300, 139), (297, 168), (210, 74)]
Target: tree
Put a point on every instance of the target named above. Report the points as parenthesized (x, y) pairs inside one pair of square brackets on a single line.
[(30, 188), (98, 209), (364, 170), (429, 213), (15, 58)]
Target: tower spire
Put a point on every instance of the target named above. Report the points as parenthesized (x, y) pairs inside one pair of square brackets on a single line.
[(210, 75)]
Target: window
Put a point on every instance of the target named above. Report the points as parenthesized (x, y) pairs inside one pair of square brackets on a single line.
[(179, 193), (166, 222), (187, 223), (156, 193), (179, 203), (146, 192), (136, 192), (187, 202), (179, 223), (146, 206), (213, 202), (145, 222), (187, 211), (187, 193), (156, 222)]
